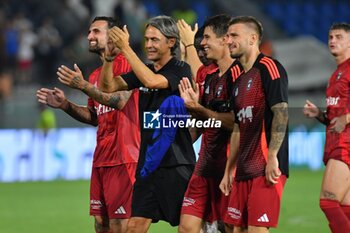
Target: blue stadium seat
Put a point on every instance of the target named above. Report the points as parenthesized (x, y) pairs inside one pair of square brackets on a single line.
[(152, 8), (202, 10), (274, 10)]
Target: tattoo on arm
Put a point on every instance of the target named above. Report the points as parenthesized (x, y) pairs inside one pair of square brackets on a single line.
[(114, 100), (279, 125), (329, 195), (82, 113)]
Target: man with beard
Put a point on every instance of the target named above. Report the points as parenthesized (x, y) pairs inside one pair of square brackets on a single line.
[(116, 115), (259, 141)]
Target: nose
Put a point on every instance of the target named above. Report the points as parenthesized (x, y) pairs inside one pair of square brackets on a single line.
[(148, 43), (89, 36), (228, 40), (203, 42)]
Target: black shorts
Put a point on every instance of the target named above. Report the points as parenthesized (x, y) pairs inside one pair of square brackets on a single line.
[(160, 196)]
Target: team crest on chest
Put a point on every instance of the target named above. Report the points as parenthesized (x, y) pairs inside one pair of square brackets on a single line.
[(218, 92), (339, 75), (207, 90), (249, 85)]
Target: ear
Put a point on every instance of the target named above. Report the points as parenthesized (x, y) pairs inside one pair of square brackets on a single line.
[(171, 42), (253, 39)]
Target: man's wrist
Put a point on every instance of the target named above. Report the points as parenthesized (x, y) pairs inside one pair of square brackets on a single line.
[(64, 105), (189, 45)]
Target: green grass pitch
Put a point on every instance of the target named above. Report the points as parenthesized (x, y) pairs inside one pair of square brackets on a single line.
[(62, 207)]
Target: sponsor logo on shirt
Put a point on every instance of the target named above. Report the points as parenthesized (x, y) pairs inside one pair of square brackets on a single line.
[(331, 101), (102, 109), (245, 113)]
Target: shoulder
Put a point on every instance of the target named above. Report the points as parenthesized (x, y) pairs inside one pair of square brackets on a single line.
[(270, 67), (236, 70), (180, 68), (181, 64)]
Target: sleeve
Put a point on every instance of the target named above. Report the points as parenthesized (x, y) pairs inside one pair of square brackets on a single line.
[(175, 74), (132, 80), (275, 81), (121, 66), (90, 102)]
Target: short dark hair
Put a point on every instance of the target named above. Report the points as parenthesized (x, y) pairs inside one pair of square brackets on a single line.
[(112, 21), (218, 23), (250, 21), (340, 26)]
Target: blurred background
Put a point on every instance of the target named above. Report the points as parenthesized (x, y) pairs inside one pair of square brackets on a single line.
[(37, 143)]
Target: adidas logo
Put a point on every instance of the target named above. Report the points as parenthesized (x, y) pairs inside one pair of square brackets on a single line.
[(120, 210), (263, 218)]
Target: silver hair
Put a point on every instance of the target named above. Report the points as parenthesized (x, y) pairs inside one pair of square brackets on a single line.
[(167, 26)]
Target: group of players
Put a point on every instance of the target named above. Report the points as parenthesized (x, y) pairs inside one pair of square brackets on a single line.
[(141, 175)]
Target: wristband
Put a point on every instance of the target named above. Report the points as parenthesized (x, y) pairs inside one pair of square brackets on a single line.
[(188, 45)]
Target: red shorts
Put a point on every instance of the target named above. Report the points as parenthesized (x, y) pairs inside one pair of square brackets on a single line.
[(204, 199), (255, 203), (111, 191)]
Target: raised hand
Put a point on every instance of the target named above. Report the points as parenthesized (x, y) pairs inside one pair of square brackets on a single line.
[(54, 98), (186, 32), (119, 37), (72, 78)]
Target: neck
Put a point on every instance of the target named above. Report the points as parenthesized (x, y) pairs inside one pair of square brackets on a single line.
[(224, 64), (161, 62), (249, 58), (342, 58)]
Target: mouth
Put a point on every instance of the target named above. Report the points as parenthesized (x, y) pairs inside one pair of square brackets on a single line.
[(93, 43), (151, 52)]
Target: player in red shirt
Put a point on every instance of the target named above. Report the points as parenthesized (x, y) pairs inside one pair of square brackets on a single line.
[(335, 194), (118, 141), (259, 142)]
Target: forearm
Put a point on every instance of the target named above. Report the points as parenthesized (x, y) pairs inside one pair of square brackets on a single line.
[(193, 60), (278, 128), (146, 76), (108, 82), (80, 113), (114, 100), (234, 146)]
